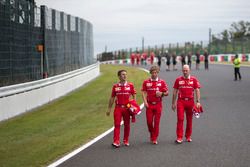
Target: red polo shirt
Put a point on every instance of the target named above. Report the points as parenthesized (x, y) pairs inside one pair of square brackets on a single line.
[(122, 92), (138, 56), (144, 55), (132, 56), (151, 86), (186, 86), (152, 55)]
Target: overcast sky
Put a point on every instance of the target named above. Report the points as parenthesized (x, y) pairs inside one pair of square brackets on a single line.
[(122, 23)]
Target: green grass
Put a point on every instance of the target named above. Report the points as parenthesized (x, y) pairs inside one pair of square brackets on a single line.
[(39, 137)]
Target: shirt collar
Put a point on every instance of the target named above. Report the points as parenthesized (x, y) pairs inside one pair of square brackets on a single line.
[(157, 79), (125, 84), (187, 77)]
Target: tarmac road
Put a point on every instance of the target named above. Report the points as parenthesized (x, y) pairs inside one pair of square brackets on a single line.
[(221, 137)]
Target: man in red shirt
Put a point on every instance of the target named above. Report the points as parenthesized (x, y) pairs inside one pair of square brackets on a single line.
[(185, 86), (152, 56), (144, 58), (138, 58), (121, 93), (153, 89), (132, 58)]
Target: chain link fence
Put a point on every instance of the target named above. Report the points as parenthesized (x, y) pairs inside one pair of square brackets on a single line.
[(38, 42), (216, 47)]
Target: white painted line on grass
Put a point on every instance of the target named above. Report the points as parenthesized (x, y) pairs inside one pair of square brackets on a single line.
[(73, 153)]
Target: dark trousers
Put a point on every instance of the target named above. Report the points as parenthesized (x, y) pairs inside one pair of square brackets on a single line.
[(189, 63), (206, 64), (237, 73)]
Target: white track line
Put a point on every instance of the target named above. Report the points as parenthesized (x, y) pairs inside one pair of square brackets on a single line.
[(73, 153), (242, 65)]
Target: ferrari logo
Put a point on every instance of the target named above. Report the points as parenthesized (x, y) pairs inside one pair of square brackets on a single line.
[(117, 89), (181, 82), (127, 88), (149, 84)]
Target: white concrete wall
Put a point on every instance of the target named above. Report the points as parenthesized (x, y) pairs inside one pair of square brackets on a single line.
[(17, 99)]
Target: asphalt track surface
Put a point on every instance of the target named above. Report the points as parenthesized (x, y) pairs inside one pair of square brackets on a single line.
[(221, 136)]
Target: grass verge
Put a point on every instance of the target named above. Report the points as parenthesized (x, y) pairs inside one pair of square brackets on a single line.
[(39, 137)]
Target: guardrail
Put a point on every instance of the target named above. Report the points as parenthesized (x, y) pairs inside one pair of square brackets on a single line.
[(212, 58), (17, 99)]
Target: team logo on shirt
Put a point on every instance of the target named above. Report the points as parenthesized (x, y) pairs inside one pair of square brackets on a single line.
[(191, 82), (117, 89), (127, 88), (149, 84), (158, 84), (181, 82)]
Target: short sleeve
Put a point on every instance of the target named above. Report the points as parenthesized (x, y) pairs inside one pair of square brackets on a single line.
[(133, 91), (164, 87), (113, 92), (196, 84), (143, 86), (176, 84)]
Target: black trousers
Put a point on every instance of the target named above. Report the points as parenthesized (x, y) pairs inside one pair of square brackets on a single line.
[(189, 63), (206, 64), (237, 73)]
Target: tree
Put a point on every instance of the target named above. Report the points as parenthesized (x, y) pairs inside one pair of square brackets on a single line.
[(225, 36), (215, 38), (239, 30)]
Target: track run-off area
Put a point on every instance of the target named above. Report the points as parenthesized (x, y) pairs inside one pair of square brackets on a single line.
[(221, 136)]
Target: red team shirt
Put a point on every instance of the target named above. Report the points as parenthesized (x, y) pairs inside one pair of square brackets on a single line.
[(186, 86), (122, 92), (151, 86), (132, 56)]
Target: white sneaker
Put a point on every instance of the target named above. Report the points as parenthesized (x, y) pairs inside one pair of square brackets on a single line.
[(178, 141), (126, 143), (189, 139), (116, 145)]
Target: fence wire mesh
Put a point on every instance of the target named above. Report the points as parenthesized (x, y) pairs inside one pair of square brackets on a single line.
[(214, 47), (37, 42)]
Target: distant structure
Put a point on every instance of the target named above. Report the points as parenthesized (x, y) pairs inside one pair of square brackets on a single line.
[(38, 42)]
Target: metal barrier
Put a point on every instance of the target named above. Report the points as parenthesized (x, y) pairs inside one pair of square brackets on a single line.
[(17, 99), (214, 48)]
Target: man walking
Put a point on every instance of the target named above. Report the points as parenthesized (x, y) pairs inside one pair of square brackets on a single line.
[(185, 86), (189, 59), (183, 58), (153, 89), (159, 59), (174, 61), (121, 93), (168, 57), (206, 55), (197, 60)]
